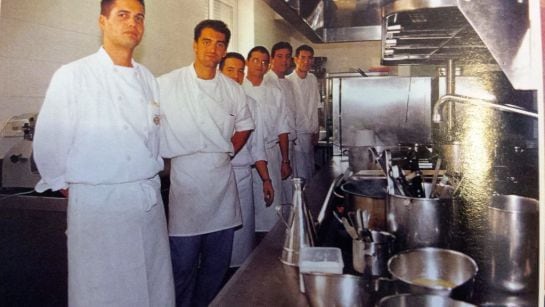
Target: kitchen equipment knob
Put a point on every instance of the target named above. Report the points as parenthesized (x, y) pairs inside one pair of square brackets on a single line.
[(17, 158)]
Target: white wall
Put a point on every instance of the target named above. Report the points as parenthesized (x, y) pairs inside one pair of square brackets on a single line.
[(38, 36)]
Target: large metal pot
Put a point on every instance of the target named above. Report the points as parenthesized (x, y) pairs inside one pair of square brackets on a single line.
[(513, 243), (367, 193), (433, 271), (420, 222)]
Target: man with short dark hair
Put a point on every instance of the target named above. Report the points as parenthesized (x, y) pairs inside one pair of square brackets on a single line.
[(251, 156), (276, 129), (280, 66), (307, 101), (205, 122), (97, 136)]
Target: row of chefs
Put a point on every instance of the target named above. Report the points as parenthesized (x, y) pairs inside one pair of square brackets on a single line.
[(101, 136)]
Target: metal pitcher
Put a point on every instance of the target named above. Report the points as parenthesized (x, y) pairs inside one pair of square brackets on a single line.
[(371, 258), (514, 238), (299, 226)]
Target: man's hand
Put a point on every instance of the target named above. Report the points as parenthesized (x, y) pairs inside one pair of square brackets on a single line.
[(268, 192), (285, 169)]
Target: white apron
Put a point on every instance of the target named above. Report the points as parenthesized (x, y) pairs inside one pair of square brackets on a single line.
[(118, 250), (199, 118), (203, 194), (243, 242), (304, 156), (266, 217)]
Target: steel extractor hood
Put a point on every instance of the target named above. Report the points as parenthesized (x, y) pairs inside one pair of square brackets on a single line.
[(423, 31), (471, 32), (331, 21)]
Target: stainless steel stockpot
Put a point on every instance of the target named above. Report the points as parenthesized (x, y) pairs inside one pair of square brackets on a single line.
[(419, 222), (513, 243), (367, 193)]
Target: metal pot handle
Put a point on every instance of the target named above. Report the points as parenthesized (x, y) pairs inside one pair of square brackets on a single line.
[(377, 283), (327, 199)]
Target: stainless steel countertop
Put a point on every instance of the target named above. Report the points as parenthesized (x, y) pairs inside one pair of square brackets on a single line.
[(263, 280)]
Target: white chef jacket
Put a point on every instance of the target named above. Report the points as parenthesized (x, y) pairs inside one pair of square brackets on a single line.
[(275, 115), (95, 128), (199, 118), (254, 149), (97, 133), (288, 97), (307, 101)]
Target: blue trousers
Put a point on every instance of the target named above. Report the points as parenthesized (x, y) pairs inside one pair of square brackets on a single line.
[(199, 266)]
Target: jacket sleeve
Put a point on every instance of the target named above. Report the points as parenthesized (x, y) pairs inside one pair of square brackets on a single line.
[(54, 131), (284, 123), (257, 138)]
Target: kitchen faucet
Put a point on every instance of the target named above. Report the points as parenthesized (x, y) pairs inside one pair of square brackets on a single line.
[(436, 115)]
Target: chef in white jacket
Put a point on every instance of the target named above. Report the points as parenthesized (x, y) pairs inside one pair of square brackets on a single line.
[(251, 155), (280, 64), (97, 139), (275, 132), (307, 101), (205, 120)]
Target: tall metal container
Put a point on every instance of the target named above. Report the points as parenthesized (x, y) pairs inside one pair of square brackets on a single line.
[(514, 238), (419, 222), (299, 227)]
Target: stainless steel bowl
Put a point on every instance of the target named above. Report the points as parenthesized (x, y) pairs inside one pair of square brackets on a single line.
[(432, 270), (421, 300), (326, 290)]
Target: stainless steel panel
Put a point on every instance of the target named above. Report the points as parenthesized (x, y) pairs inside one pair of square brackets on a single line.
[(504, 27), (398, 109)]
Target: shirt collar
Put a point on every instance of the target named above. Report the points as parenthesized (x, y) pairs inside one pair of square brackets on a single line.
[(105, 59)]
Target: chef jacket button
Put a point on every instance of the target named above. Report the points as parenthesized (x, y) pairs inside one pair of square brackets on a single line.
[(128, 158), (119, 98)]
